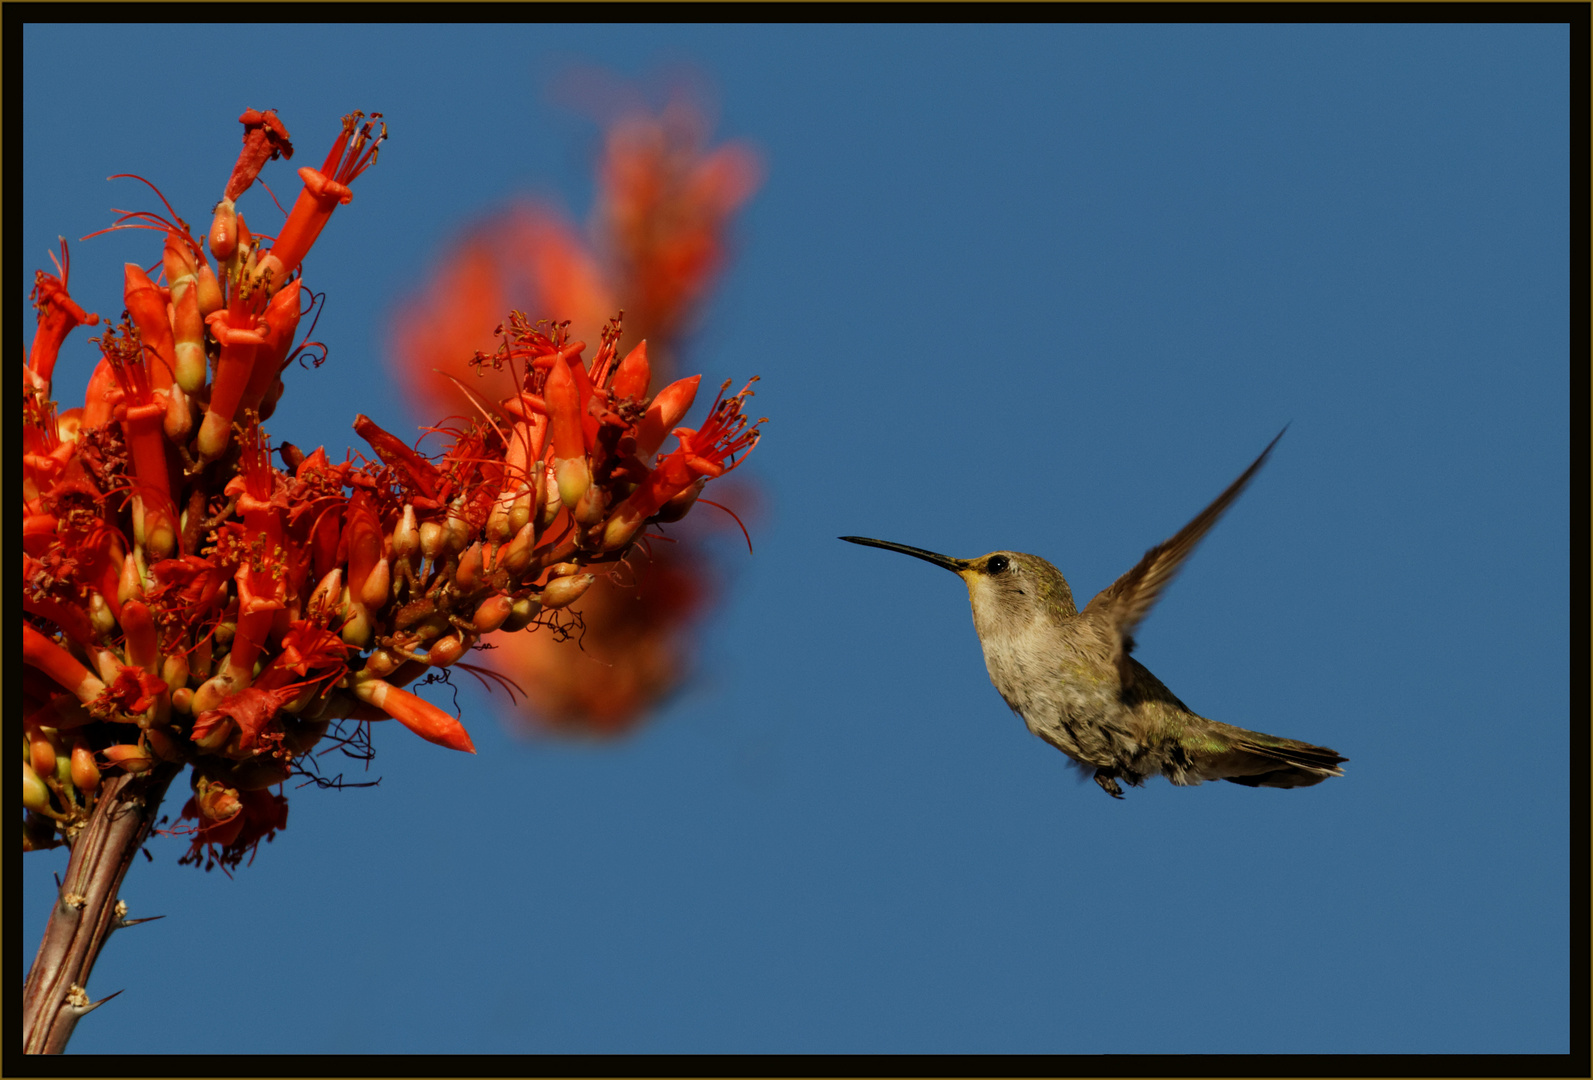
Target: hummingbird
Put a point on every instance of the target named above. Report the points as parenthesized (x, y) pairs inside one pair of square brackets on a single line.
[(1070, 674)]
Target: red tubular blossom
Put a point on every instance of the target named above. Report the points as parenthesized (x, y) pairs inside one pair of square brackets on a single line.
[(324, 191), (141, 646), (666, 410), (571, 355), (40, 652), (261, 578), (154, 512), (420, 473), (58, 317), (417, 714), (188, 343), (569, 444), (147, 307), (281, 322), (187, 324), (100, 399), (240, 339), (367, 570)]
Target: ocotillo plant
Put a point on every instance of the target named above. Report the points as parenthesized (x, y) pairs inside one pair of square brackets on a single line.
[(189, 601)]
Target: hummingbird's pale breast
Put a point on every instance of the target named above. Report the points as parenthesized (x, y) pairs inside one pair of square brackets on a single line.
[(1044, 660)]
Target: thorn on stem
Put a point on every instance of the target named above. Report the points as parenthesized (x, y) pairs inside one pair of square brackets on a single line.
[(120, 923), (77, 1000)]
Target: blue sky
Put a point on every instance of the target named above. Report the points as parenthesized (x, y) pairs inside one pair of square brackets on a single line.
[(1040, 288)]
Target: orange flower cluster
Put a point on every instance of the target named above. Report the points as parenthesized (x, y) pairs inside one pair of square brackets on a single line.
[(664, 207), (188, 601)]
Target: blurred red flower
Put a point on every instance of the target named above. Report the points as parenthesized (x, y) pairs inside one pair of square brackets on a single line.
[(654, 248)]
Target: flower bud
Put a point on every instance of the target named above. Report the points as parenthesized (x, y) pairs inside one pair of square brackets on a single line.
[(188, 329), (446, 650), (498, 529), (174, 670), (382, 663), (591, 506), (521, 613), (377, 582), (564, 591), (133, 759), (327, 599), (406, 535), (41, 753), (515, 556), (574, 477), (35, 796), (492, 612), (217, 737), (182, 700), (216, 801), (632, 376), (179, 418), (224, 230), (131, 583), (356, 629), (458, 529), (209, 292), (85, 771), (468, 574), (432, 537), (100, 615), (548, 502), (522, 508)]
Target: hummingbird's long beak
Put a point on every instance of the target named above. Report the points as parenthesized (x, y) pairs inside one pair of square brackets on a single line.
[(956, 566)]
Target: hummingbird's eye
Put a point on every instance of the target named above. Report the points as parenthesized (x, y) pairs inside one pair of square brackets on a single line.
[(997, 564)]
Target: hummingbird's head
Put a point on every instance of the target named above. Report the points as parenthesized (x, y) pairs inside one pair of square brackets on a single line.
[(1007, 589)]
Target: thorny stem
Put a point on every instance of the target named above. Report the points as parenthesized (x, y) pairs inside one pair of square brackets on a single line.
[(54, 998)]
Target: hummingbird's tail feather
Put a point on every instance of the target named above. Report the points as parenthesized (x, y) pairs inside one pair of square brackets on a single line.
[(1257, 760), (1262, 760)]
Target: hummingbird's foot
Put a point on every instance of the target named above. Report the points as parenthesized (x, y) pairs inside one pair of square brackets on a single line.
[(1108, 781)]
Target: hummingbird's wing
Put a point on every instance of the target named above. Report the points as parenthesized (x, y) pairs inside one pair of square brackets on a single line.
[(1122, 604)]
